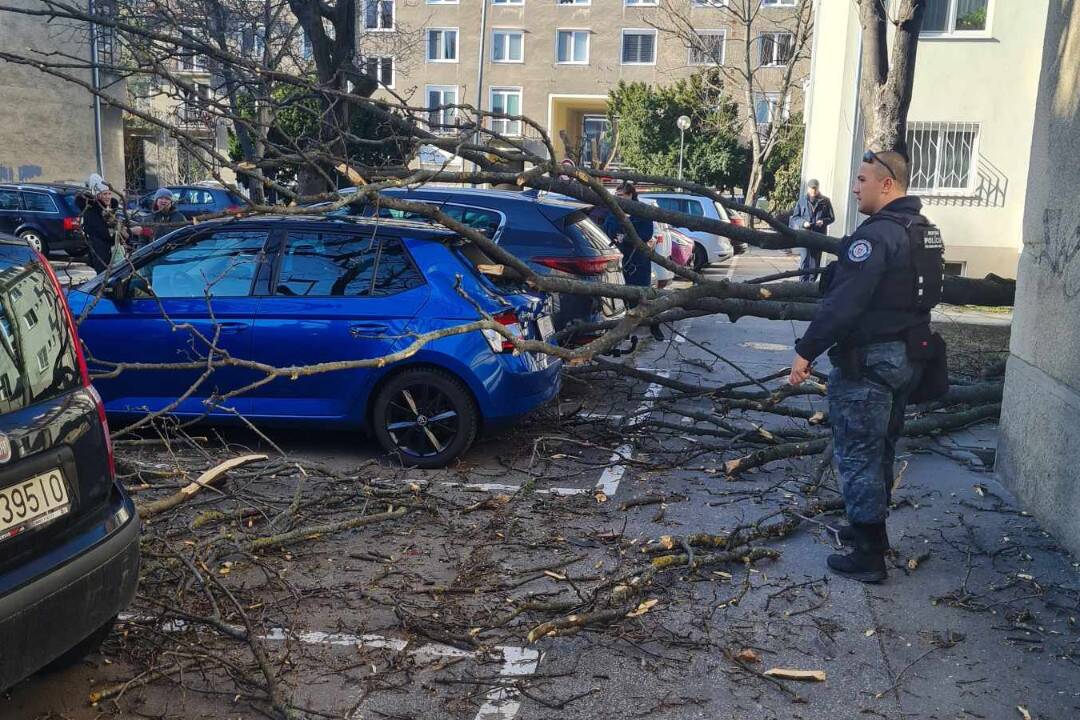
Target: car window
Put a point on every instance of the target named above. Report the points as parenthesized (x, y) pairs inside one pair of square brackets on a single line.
[(193, 196), (395, 272), (37, 352), (668, 204), (9, 200), (38, 202), (585, 232), (486, 221), (325, 264), (694, 207), (219, 265)]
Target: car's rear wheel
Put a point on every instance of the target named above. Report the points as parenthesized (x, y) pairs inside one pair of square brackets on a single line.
[(700, 258), (35, 240), (425, 416), (84, 648)]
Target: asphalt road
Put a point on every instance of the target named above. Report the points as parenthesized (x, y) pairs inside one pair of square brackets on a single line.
[(977, 620)]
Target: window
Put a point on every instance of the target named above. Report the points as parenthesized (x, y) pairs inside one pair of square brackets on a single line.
[(192, 196), (507, 2), (681, 205), (709, 3), (304, 43), (639, 47), (219, 265), (378, 14), (38, 202), (708, 47), (954, 268), (394, 272), (777, 48), (642, 3), (441, 119), (508, 102), (37, 361), (779, 3), (193, 110), (596, 139), (942, 156), (9, 200), (381, 69), (572, 47), (575, 2), (319, 264), (442, 45), (508, 46), (766, 107), (947, 17)]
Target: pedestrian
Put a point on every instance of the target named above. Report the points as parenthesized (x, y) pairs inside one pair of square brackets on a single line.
[(636, 265), (813, 212), (101, 223), (164, 208), (874, 320)]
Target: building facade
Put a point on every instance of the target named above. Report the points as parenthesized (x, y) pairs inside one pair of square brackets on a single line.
[(972, 112), (48, 131), (554, 61)]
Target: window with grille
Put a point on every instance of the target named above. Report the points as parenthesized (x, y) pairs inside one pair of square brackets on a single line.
[(442, 45), (638, 47), (639, 3), (709, 3), (507, 2), (508, 102), (572, 47), (193, 111), (943, 157), (187, 59), (575, 2), (378, 14), (381, 69), (947, 17), (779, 3), (777, 48), (508, 46), (441, 119), (707, 47), (770, 107)]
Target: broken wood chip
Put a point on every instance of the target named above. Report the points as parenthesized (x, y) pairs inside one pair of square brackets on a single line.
[(1024, 712), (747, 655), (667, 542), (600, 496), (789, 674), (817, 418), (642, 608), (554, 575)]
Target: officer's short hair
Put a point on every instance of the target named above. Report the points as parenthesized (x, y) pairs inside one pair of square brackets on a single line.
[(900, 166)]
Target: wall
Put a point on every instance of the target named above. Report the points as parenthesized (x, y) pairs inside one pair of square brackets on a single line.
[(1039, 441), (47, 124)]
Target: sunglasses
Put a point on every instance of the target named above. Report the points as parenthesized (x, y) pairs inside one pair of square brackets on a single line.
[(870, 157)]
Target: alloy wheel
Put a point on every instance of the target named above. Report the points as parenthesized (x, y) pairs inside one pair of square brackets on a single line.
[(422, 420)]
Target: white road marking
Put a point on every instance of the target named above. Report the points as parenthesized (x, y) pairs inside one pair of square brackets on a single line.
[(499, 487), (612, 475), (731, 267), (500, 703)]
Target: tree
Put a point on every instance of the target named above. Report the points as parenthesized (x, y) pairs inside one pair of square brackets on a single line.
[(762, 57), (648, 137), (782, 176)]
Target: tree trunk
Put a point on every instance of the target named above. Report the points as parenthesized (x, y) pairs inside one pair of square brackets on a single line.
[(885, 84)]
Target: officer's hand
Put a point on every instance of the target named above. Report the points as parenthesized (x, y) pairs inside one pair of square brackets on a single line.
[(800, 370)]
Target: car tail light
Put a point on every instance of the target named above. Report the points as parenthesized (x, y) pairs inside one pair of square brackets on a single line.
[(736, 220), (72, 224), (84, 371), (232, 208), (579, 265), (509, 320)]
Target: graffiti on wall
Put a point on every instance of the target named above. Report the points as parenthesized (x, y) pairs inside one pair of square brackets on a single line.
[(1059, 246), (24, 173)]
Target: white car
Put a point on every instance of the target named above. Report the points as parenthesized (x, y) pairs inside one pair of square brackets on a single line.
[(665, 240), (709, 248)]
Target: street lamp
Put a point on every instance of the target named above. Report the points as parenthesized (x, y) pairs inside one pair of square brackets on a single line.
[(683, 123)]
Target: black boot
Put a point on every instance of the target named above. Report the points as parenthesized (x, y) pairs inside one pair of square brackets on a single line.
[(657, 333), (847, 536), (866, 563)]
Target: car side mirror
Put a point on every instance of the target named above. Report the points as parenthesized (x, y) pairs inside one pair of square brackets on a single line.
[(119, 290)]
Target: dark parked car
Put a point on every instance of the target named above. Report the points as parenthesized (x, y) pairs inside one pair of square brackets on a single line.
[(69, 535), (196, 200), (299, 291), (550, 234), (45, 216)]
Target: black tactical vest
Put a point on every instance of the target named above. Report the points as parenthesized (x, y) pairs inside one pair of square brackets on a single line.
[(918, 286)]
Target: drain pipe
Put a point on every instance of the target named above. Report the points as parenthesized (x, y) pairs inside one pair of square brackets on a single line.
[(95, 80), (480, 75)]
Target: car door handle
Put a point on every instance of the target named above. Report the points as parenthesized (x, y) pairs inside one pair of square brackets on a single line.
[(368, 329), (232, 328)]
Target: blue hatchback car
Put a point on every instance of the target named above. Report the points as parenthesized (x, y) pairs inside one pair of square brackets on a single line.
[(297, 292)]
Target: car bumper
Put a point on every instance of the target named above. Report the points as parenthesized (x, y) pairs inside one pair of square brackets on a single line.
[(521, 390), (46, 617)]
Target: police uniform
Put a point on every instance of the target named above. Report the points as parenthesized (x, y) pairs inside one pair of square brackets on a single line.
[(877, 300)]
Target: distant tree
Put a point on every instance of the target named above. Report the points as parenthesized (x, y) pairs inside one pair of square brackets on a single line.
[(648, 136), (782, 175)]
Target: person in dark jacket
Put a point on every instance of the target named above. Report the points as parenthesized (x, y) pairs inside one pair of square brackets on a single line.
[(870, 308), (637, 267), (101, 224), (813, 212), (164, 217)]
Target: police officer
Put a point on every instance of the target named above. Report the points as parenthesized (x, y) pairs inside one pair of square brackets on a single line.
[(873, 319)]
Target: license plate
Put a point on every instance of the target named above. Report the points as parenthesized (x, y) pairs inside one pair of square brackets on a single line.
[(32, 502), (547, 328)]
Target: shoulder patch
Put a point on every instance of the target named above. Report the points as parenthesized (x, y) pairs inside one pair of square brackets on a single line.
[(860, 250)]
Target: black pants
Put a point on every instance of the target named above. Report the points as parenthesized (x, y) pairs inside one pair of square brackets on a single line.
[(99, 255)]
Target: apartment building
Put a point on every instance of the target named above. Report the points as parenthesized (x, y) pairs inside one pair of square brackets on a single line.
[(51, 130), (969, 127), (554, 61)]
